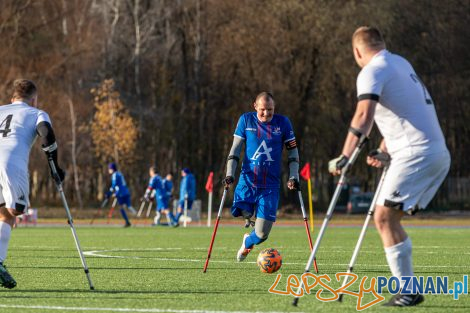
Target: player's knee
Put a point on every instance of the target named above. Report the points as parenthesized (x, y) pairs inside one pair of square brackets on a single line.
[(386, 217), (380, 219), (262, 235)]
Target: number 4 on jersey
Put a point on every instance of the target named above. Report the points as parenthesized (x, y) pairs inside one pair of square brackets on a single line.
[(5, 125), (427, 97)]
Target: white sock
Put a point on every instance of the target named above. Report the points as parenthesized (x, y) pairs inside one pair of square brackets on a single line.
[(399, 259), (169, 220), (157, 218), (5, 233)]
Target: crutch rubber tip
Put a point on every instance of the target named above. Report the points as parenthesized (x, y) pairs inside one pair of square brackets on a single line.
[(340, 299), (295, 302), (92, 288)]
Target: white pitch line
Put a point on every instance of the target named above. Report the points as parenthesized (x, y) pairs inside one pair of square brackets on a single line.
[(97, 253), (70, 308)]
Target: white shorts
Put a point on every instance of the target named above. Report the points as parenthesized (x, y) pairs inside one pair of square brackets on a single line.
[(412, 181), (14, 188)]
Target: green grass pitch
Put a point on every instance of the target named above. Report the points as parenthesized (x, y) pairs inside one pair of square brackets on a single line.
[(159, 269)]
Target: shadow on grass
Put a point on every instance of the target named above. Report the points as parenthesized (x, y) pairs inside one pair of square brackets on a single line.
[(118, 294), (92, 268)]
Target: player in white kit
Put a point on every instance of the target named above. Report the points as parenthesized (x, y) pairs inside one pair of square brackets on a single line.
[(20, 123), (413, 146)]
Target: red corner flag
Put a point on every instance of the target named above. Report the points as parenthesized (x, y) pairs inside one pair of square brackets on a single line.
[(305, 171), (210, 183)]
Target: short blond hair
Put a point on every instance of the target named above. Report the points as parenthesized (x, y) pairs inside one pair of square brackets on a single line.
[(369, 37), (24, 89)]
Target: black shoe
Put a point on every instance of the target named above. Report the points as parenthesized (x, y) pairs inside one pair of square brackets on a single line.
[(5, 278), (405, 300), (128, 225)]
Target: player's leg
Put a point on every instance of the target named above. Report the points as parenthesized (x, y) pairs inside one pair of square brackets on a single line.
[(158, 217), (396, 243), (158, 210), (170, 217), (179, 211), (244, 203), (13, 202), (267, 203), (129, 205), (388, 215), (7, 219), (132, 210), (412, 184), (124, 201)]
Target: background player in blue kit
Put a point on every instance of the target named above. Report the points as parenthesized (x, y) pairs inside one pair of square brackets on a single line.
[(167, 184), (120, 191), (257, 193), (157, 184), (187, 190)]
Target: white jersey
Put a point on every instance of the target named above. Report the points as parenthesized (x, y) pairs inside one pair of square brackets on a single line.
[(18, 123), (405, 113)]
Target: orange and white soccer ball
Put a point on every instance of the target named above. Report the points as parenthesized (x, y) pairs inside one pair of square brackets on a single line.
[(269, 260)]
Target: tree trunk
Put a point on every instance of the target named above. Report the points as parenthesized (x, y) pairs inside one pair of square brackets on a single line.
[(74, 155)]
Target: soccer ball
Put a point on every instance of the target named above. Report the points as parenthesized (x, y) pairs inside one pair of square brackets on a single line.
[(269, 260)]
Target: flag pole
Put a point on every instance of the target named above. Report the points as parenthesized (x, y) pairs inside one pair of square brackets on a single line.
[(310, 203), (306, 174), (209, 189), (209, 210)]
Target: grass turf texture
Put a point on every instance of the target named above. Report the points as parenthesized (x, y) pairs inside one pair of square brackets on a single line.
[(154, 269)]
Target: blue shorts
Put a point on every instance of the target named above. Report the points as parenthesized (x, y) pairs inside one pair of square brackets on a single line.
[(263, 201), (162, 203), (124, 200), (181, 204)]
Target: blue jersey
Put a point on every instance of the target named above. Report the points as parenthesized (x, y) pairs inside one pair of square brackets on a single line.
[(188, 186), (155, 183), (264, 142), (168, 187), (118, 185)]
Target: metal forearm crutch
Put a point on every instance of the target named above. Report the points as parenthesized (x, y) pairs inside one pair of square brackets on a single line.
[(111, 210), (215, 228), (142, 205), (185, 210), (304, 215), (329, 213), (58, 183), (149, 208), (103, 204), (370, 213)]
